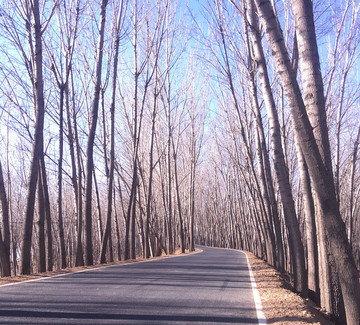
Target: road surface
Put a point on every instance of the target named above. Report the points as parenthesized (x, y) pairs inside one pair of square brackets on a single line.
[(210, 287)]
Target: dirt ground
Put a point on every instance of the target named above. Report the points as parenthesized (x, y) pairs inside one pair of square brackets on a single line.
[(280, 304)]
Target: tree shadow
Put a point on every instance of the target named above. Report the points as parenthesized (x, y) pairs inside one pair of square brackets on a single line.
[(98, 317)]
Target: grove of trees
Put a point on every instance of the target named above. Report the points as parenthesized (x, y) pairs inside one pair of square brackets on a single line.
[(137, 127)]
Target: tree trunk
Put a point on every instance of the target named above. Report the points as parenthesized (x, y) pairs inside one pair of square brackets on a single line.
[(107, 232), (37, 152), (47, 216), (41, 226), (181, 223), (89, 259), (310, 227), (352, 185), (79, 259), (281, 169), (60, 173), (151, 168), (266, 180), (170, 212), (319, 165), (5, 235)]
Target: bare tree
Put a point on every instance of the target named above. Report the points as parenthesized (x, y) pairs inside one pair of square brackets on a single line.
[(34, 35), (119, 22), (89, 258), (317, 154)]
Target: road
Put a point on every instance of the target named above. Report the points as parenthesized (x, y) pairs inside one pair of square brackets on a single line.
[(210, 287)]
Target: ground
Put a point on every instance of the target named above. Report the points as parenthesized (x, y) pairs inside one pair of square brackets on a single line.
[(280, 304)]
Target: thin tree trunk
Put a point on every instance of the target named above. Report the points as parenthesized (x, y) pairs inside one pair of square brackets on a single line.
[(5, 234), (338, 135), (170, 213), (151, 168), (41, 226), (60, 173), (107, 232), (177, 189), (98, 206), (47, 215), (79, 260), (118, 238), (89, 259)]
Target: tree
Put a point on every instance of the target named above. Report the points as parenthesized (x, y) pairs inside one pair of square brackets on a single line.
[(119, 22), (297, 249), (5, 233), (316, 153), (34, 33), (89, 258)]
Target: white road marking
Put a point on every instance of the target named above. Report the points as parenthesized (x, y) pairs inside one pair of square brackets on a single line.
[(258, 305)]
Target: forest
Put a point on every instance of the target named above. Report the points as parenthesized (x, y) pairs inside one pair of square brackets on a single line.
[(138, 127)]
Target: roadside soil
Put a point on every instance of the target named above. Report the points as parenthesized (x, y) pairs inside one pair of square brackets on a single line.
[(280, 304)]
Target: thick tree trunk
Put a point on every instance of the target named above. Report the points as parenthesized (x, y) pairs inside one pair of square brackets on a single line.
[(319, 165), (308, 206), (89, 259), (329, 285)]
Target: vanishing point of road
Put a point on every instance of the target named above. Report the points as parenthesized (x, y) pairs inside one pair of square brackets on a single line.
[(209, 287)]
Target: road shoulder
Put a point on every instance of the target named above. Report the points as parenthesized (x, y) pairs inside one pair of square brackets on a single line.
[(279, 304)]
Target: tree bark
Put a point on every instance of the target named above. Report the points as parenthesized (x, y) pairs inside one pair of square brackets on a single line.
[(41, 226), (37, 152), (112, 138), (89, 259), (60, 174), (47, 216), (5, 234), (281, 169)]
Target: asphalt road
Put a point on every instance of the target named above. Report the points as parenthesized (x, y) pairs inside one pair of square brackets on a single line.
[(211, 287)]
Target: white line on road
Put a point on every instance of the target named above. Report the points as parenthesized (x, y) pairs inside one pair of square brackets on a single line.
[(259, 310)]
